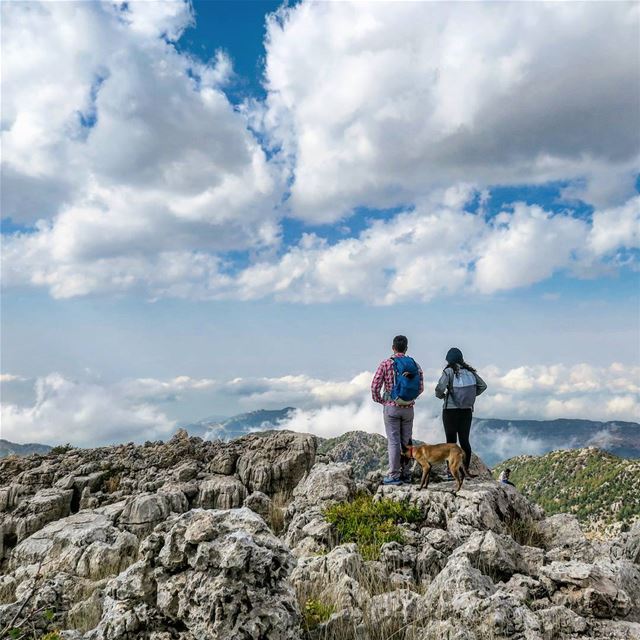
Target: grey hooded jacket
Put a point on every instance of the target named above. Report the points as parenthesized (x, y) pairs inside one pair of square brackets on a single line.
[(459, 391)]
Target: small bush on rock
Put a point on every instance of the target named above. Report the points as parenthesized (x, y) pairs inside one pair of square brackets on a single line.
[(370, 524), (316, 612), (62, 448), (112, 484), (525, 531)]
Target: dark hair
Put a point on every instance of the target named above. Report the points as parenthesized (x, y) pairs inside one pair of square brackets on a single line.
[(400, 343), (507, 470), (456, 367)]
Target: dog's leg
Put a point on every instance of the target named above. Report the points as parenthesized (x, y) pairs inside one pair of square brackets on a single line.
[(460, 479), (458, 473), (425, 476)]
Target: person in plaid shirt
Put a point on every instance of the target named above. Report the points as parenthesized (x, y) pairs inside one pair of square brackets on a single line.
[(398, 415)]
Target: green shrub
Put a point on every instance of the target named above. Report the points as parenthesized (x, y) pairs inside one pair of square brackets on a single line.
[(525, 531), (370, 524), (599, 488), (62, 448), (316, 612)]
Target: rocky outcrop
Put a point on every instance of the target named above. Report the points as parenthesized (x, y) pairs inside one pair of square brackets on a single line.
[(190, 540), (208, 574), (482, 563), (188, 472)]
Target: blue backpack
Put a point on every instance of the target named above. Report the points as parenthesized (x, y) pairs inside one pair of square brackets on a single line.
[(406, 386)]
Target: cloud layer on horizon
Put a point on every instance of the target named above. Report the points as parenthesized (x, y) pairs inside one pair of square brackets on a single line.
[(140, 176), (93, 412)]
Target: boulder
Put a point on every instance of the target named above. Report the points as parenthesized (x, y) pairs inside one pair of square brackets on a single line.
[(589, 590), (564, 538), (33, 513), (221, 492), (499, 556), (143, 512), (261, 503), (326, 484), (274, 463), (218, 575), (632, 544), (85, 544)]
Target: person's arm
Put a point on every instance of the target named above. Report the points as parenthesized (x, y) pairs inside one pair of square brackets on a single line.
[(442, 385), (376, 384), (481, 385)]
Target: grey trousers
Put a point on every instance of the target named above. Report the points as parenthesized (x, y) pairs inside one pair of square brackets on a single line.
[(398, 424)]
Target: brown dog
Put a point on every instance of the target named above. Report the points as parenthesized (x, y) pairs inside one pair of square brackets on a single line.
[(427, 454)]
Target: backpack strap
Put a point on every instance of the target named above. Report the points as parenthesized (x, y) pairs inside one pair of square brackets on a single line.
[(449, 387)]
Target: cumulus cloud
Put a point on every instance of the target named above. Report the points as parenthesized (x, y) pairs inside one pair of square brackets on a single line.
[(139, 176), (616, 227), (139, 163), (89, 413), (83, 414), (298, 390), (436, 249), (532, 392), (376, 102)]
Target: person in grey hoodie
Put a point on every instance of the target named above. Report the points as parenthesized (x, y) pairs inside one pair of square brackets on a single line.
[(459, 385)]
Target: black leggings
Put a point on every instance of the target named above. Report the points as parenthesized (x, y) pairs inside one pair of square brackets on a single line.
[(457, 425)]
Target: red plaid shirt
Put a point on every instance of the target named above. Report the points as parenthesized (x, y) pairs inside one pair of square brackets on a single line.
[(385, 375)]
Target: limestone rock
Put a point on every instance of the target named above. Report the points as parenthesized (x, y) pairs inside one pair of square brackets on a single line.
[(324, 485), (221, 492), (220, 574), (632, 544), (276, 463), (500, 556), (143, 512), (564, 538), (260, 503), (587, 589)]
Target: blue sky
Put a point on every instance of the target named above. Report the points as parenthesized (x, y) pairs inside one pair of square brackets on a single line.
[(254, 202)]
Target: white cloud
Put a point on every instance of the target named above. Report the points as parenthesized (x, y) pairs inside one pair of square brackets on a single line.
[(435, 250), (10, 377), (83, 414), (89, 413), (127, 152), (94, 412), (142, 176), (534, 392), (298, 390), (376, 103), (527, 246), (616, 227)]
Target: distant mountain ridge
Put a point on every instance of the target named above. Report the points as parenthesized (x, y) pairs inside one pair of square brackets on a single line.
[(492, 439), (497, 439), (11, 448), (236, 426)]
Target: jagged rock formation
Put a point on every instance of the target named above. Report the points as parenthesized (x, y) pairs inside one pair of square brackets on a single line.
[(482, 564), (191, 540), (153, 480)]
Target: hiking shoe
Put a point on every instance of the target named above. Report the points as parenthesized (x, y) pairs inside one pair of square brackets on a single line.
[(392, 481)]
